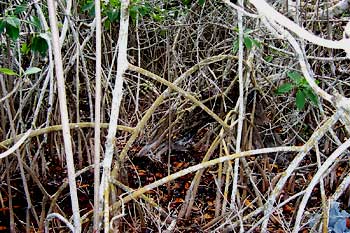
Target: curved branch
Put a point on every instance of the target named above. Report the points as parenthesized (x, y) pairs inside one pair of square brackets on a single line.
[(269, 12), (54, 128), (16, 146), (179, 90)]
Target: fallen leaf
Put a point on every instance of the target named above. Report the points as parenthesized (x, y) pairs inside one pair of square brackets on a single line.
[(248, 203), (287, 208), (179, 200), (208, 216), (210, 203), (178, 164), (141, 172)]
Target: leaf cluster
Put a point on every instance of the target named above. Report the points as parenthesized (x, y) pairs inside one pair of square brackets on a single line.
[(248, 41), (304, 92), (10, 24), (10, 72), (111, 10), (137, 8)]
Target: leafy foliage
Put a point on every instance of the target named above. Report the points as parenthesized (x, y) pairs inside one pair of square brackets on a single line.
[(32, 70), (137, 8), (201, 2), (10, 72), (304, 91), (248, 41), (111, 10), (38, 44), (10, 24), (20, 8)]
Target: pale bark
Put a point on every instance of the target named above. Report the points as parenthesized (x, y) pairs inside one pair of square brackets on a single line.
[(97, 142), (117, 97), (64, 115)]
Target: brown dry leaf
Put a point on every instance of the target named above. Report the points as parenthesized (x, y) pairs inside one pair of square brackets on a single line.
[(180, 164), (288, 208), (208, 216), (340, 171), (141, 172), (248, 203), (179, 200), (83, 185), (278, 130), (309, 176)]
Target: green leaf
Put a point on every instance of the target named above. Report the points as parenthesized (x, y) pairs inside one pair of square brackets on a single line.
[(113, 15), (89, 7), (145, 9), (32, 70), (300, 99), (133, 11), (186, 2), (115, 3), (20, 9), (12, 32), (25, 48), (8, 71), (256, 43), (39, 44), (248, 42), (235, 47), (46, 37), (310, 95), (284, 88), (2, 26), (295, 76), (107, 24), (247, 31), (201, 2), (35, 21), (157, 17), (304, 83), (13, 21), (268, 58), (163, 32)]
